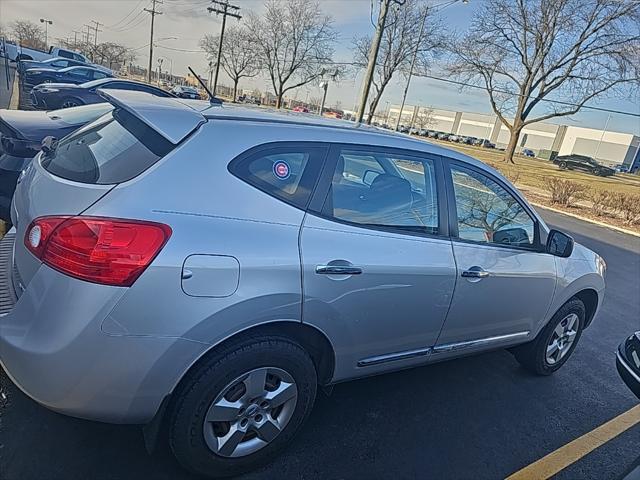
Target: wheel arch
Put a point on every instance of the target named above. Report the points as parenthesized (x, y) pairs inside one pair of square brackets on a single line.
[(589, 298)]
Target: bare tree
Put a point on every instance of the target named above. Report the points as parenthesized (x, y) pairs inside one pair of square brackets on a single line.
[(239, 56), (424, 117), (527, 52), (295, 41), (401, 39), (28, 34)]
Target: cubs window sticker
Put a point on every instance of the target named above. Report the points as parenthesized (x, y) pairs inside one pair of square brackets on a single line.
[(281, 170)]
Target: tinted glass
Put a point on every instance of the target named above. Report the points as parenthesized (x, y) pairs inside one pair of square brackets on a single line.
[(60, 64), (97, 75), (380, 189), (113, 149), (487, 213), (65, 54), (80, 73), (288, 172)]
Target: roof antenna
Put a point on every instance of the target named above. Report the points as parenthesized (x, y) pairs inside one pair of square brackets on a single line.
[(213, 100)]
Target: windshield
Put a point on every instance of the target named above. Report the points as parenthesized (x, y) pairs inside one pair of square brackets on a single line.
[(80, 115)]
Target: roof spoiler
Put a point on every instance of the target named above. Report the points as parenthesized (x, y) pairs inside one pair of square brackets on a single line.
[(170, 118)]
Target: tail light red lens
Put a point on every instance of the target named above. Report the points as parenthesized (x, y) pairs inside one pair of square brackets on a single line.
[(108, 251)]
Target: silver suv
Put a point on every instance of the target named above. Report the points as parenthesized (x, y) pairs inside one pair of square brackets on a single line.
[(201, 270)]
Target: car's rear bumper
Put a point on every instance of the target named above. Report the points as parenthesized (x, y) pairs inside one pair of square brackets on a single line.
[(52, 347)]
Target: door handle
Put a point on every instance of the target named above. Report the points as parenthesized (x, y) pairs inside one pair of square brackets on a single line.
[(475, 272), (338, 270)]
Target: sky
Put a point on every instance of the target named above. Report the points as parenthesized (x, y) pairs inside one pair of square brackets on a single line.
[(183, 23)]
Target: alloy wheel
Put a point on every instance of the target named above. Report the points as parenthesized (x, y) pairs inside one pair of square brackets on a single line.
[(562, 339), (250, 412)]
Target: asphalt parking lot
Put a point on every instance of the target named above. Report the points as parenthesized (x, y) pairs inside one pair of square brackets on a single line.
[(479, 417)]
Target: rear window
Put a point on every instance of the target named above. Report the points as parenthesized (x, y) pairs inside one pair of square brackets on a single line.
[(113, 149)]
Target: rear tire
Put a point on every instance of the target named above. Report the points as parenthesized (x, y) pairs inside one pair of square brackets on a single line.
[(563, 166), (552, 348), (204, 444), (70, 102)]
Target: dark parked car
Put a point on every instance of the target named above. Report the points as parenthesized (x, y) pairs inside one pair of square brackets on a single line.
[(443, 136), (56, 63), (64, 95), (186, 92), (583, 163), (74, 75), (487, 144), (21, 134), (527, 152), (628, 362)]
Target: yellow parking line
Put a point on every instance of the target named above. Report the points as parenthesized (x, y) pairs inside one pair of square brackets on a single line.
[(573, 451)]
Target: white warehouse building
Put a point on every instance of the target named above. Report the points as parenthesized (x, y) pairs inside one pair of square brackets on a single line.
[(545, 139)]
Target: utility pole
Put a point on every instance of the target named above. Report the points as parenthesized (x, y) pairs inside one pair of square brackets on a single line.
[(87, 33), (373, 56), (221, 7), (153, 13), (325, 85), (95, 39), (413, 62), (75, 38)]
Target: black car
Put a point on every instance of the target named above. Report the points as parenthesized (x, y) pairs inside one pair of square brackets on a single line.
[(74, 75), (56, 63), (583, 163), (628, 362), (64, 95), (21, 134), (186, 92)]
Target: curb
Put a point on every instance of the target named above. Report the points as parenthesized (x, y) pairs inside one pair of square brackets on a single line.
[(15, 93), (585, 219)]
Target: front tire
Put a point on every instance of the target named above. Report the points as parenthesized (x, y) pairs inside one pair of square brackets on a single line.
[(242, 406), (556, 342)]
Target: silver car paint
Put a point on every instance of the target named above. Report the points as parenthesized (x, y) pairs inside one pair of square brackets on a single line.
[(124, 350)]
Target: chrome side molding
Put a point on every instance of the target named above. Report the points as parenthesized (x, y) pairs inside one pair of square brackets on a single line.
[(446, 347), (391, 357), (452, 347)]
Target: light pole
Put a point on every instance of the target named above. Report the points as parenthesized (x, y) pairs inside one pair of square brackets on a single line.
[(441, 6), (160, 60), (46, 22)]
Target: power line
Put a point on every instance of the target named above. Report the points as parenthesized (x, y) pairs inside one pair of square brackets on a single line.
[(128, 24), (126, 16), (153, 13), (222, 8)]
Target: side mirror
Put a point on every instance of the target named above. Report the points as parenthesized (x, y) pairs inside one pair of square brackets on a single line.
[(559, 244), (369, 176)]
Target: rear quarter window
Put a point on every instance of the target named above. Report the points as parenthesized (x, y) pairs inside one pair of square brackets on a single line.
[(287, 171), (113, 149)]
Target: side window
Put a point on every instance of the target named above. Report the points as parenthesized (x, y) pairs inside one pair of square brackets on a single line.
[(65, 54), (288, 172), (80, 73), (60, 64), (78, 57), (487, 213), (97, 75), (386, 190)]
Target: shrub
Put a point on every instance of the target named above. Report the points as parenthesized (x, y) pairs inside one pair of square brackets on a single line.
[(564, 192), (629, 207), (601, 200)]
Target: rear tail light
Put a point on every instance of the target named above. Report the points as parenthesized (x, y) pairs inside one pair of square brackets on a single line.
[(108, 251)]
